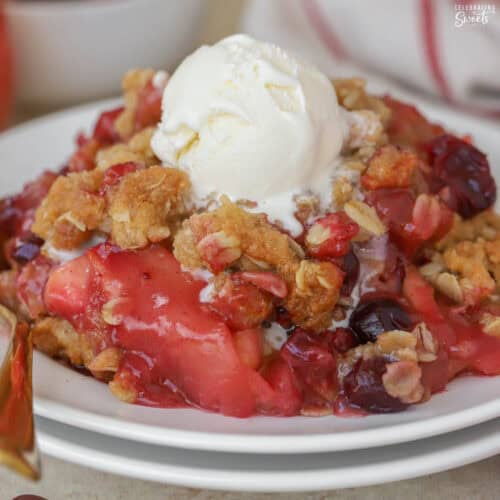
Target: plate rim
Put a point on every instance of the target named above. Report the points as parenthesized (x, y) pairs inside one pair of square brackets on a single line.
[(268, 443), (262, 443), (436, 459)]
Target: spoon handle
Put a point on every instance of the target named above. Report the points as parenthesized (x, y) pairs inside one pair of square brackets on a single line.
[(17, 431)]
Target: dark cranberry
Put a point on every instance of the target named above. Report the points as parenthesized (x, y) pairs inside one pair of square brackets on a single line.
[(391, 278), (314, 367), (284, 319), (9, 215), (350, 266), (463, 173), (64, 170), (25, 252), (343, 339), (16, 212), (371, 318), (364, 388), (27, 249), (306, 349)]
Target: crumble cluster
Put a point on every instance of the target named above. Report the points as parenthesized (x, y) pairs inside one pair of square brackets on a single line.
[(465, 264)]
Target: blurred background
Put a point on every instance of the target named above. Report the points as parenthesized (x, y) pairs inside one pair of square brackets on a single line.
[(58, 53)]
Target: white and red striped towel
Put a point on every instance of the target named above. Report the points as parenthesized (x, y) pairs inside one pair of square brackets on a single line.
[(448, 48)]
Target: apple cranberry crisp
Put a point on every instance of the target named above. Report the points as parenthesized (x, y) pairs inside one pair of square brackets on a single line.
[(380, 301)]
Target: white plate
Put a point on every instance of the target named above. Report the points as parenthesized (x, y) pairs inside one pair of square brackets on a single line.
[(66, 396), (226, 471)]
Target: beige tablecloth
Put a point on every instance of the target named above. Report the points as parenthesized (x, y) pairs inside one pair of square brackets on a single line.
[(63, 481)]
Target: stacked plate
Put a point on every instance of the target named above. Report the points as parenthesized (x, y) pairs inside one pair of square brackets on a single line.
[(80, 421)]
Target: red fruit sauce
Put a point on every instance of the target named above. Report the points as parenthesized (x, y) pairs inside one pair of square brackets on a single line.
[(177, 349)]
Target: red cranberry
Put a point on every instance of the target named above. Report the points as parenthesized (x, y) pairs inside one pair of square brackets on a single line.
[(465, 171), (114, 174), (104, 130), (371, 318), (339, 228), (81, 139), (364, 388), (148, 110), (395, 208), (16, 212)]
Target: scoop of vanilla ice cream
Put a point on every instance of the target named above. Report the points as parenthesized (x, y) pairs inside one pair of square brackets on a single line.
[(246, 119)]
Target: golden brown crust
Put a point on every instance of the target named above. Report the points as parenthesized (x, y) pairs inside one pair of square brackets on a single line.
[(313, 294), (390, 167), (144, 205), (249, 232), (470, 262), (133, 81), (240, 236), (71, 210), (137, 150), (466, 262), (57, 338), (352, 95)]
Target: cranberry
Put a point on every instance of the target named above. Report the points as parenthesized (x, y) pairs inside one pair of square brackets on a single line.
[(114, 174), (314, 366), (364, 388), (464, 173), (408, 127), (284, 319), (27, 249), (104, 130), (330, 236), (17, 212), (390, 280), (350, 266), (83, 158), (306, 349), (343, 339), (395, 208), (371, 318), (148, 110), (81, 139)]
